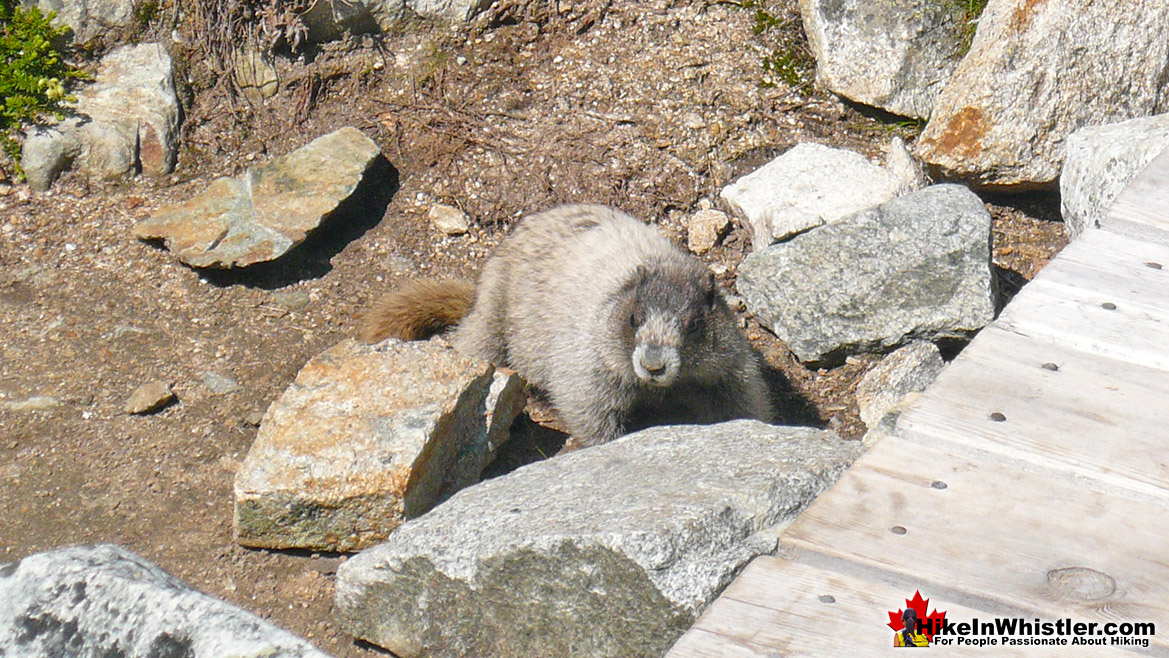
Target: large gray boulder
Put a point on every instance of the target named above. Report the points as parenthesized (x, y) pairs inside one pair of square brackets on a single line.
[(918, 266), (893, 54), (86, 18), (608, 551), (1101, 161), (367, 437), (809, 185), (1036, 72), (267, 210), (126, 121), (104, 601)]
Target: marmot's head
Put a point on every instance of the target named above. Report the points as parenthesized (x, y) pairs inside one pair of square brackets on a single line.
[(668, 310)]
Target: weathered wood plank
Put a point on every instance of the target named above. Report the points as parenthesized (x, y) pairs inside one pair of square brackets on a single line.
[(1114, 265), (1115, 268), (1067, 411), (1078, 320), (992, 537), (698, 643), (1111, 253), (1100, 295), (1141, 210), (781, 604)]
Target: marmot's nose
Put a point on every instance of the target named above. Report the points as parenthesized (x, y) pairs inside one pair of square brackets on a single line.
[(653, 359)]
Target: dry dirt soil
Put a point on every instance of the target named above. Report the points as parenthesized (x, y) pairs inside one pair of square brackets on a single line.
[(650, 106)]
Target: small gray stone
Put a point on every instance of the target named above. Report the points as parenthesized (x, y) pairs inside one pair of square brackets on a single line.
[(327, 21), (1035, 73), (366, 437), (1100, 161), (808, 186), (149, 397), (292, 300), (908, 370), (124, 330), (48, 151), (34, 404), (269, 209), (446, 10), (220, 384), (915, 267), (388, 14), (449, 219), (607, 551), (105, 601)]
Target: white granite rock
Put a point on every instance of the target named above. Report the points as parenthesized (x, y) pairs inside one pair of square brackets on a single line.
[(1100, 161), (807, 186)]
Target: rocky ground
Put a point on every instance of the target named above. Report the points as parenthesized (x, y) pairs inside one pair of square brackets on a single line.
[(649, 106)]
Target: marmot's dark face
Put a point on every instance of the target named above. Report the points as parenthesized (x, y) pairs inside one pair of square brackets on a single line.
[(668, 313)]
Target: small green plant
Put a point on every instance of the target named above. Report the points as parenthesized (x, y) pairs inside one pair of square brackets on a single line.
[(764, 20), (782, 64), (790, 62), (973, 8), (968, 13), (905, 128), (145, 12), (33, 77)]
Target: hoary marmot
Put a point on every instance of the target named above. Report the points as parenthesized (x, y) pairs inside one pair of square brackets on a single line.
[(619, 326)]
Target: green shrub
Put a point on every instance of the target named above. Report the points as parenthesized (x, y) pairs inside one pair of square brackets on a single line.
[(33, 77), (790, 61)]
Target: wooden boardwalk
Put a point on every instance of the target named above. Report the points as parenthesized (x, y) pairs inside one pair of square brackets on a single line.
[(1031, 480)]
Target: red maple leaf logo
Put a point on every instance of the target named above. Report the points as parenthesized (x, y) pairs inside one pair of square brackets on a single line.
[(930, 623)]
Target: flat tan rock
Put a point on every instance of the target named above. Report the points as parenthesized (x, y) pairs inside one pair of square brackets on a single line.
[(268, 210), (148, 398)]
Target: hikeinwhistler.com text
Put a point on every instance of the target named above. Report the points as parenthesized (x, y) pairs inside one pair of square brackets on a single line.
[(1015, 631)]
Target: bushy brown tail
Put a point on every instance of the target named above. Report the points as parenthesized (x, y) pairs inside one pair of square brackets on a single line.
[(419, 309)]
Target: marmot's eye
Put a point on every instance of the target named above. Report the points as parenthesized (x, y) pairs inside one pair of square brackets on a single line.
[(695, 325), (636, 318)]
